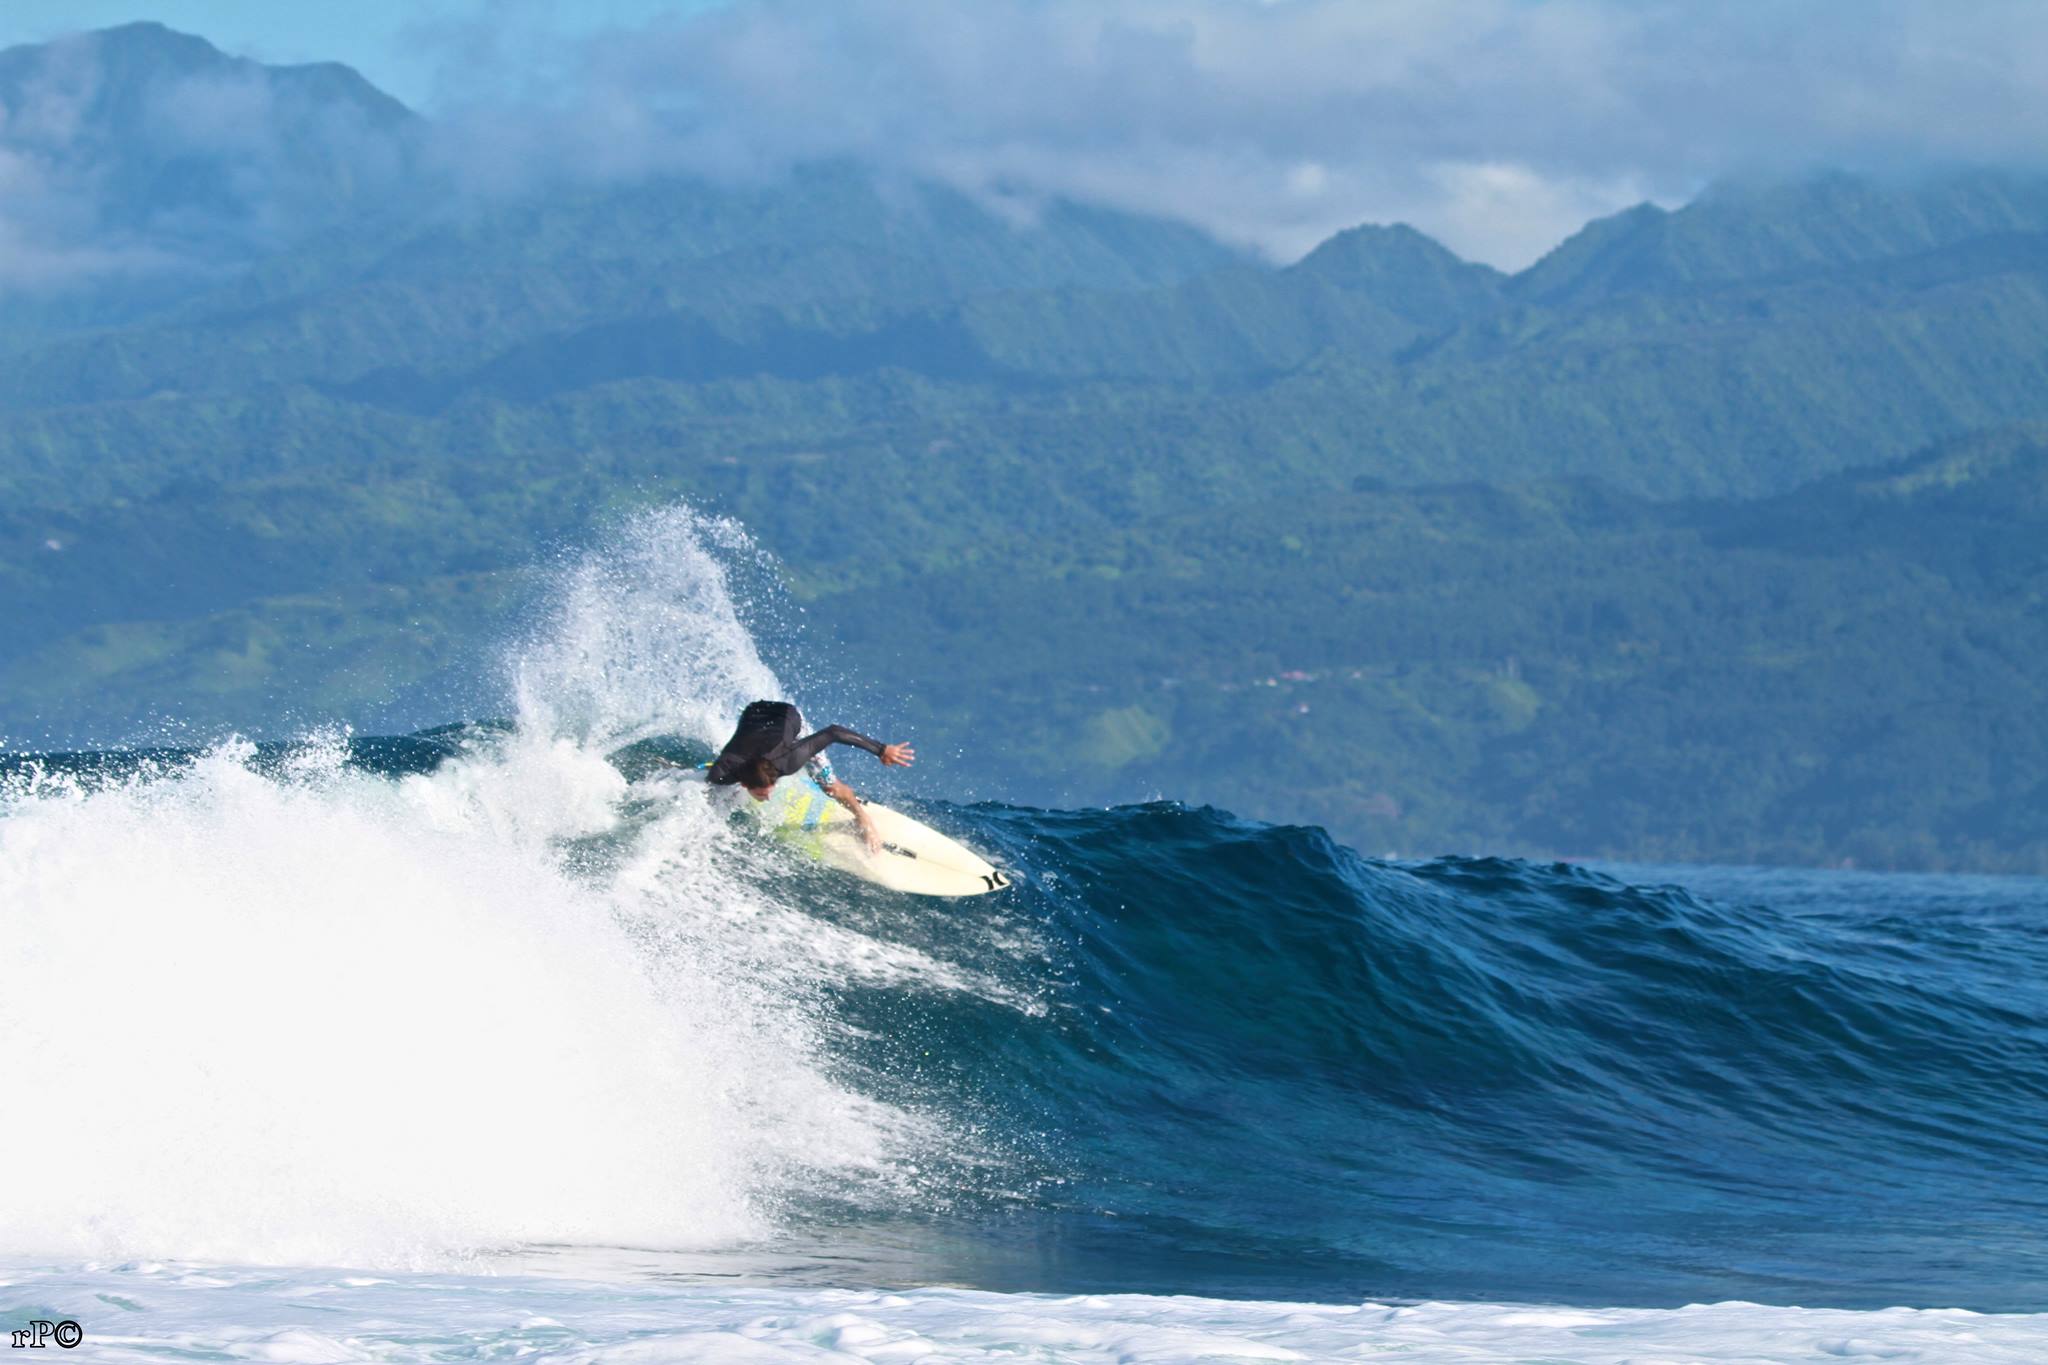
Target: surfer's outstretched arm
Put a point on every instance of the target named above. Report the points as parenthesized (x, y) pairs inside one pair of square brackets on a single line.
[(810, 746)]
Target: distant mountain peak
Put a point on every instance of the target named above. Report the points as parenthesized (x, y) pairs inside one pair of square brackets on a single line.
[(151, 36), (1409, 273), (1371, 244), (1605, 253), (1753, 230), (154, 153), (146, 53)]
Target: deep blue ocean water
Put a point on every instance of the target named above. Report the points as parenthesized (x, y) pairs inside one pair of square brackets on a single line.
[(498, 1041), (1199, 1054), (1273, 1067)]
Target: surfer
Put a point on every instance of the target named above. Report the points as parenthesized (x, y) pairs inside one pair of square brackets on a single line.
[(765, 748)]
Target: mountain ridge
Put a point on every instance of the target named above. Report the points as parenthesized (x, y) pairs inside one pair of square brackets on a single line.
[(1615, 554)]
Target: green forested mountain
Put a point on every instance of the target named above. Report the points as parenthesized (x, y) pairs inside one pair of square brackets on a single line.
[(1779, 231), (415, 315), (1614, 555), (1849, 671)]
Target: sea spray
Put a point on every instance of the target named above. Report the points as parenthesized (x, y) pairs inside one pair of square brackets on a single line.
[(276, 1008), (643, 635), (344, 1019)]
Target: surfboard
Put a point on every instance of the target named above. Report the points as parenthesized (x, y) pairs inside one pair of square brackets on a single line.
[(914, 857)]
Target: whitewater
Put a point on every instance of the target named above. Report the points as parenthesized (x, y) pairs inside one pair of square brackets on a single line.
[(494, 1041)]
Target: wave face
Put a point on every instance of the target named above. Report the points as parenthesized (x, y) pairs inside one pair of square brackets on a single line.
[(1475, 1078), (393, 1002)]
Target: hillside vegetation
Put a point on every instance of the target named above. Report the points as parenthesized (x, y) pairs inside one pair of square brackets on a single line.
[(1848, 672), (1712, 534)]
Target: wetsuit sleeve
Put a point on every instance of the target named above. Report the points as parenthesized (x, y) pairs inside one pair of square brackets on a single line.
[(809, 746)]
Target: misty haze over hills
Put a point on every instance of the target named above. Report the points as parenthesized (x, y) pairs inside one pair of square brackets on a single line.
[(1715, 533)]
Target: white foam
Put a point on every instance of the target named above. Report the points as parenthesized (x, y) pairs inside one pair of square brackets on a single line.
[(303, 1014), (643, 637), (325, 1019), (153, 1313)]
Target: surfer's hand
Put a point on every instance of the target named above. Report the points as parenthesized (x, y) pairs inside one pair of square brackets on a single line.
[(898, 755)]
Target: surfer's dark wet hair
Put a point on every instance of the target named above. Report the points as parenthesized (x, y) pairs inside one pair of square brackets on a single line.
[(762, 772)]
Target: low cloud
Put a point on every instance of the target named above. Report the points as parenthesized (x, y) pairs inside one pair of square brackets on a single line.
[(130, 156), (1497, 126)]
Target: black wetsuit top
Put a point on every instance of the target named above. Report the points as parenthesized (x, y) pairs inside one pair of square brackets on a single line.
[(768, 729)]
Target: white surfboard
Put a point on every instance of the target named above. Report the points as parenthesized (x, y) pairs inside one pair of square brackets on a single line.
[(914, 857)]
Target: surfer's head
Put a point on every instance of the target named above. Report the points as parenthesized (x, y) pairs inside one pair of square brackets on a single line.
[(759, 778)]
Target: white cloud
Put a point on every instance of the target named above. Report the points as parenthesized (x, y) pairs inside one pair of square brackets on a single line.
[(49, 233), (107, 177), (1496, 125), (1510, 214)]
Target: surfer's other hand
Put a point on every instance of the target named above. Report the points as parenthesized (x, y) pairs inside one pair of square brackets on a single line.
[(898, 755)]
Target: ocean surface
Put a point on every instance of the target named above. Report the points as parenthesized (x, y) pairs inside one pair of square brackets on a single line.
[(493, 1041)]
